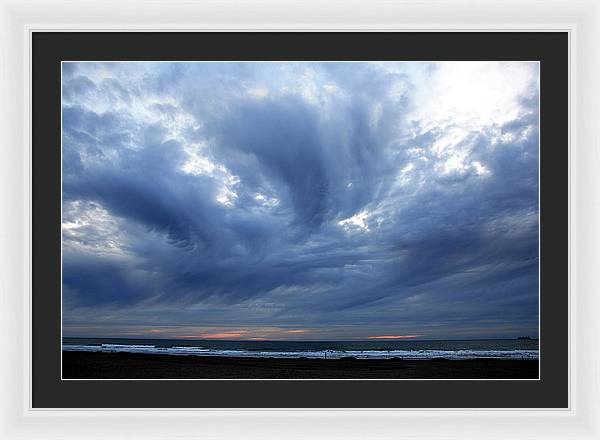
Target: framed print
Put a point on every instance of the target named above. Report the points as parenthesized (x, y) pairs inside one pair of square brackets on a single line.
[(273, 226)]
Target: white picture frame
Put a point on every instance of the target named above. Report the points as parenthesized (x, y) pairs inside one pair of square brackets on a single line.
[(18, 19)]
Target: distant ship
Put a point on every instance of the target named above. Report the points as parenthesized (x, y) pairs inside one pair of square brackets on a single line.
[(523, 337)]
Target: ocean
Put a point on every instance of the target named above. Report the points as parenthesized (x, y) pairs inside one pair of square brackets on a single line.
[(373, 349)]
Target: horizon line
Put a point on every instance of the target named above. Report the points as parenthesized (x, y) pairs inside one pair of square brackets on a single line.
[(368, 339)]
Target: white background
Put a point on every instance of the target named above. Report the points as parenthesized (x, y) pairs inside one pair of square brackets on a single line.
[(19, 17)]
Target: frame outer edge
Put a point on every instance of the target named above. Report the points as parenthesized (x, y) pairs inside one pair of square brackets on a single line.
[(14, 244), (586, 238), (17, 420)]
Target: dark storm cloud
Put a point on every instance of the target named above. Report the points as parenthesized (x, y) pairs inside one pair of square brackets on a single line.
[(293, 194)]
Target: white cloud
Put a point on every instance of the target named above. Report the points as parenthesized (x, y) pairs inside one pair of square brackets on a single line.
[(357, 222), (458, 99), (258, 92), (331, 88), (474, 94), (89, 227), (226, 195), (266, 201)]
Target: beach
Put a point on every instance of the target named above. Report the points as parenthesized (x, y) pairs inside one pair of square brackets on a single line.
[(102, 365)]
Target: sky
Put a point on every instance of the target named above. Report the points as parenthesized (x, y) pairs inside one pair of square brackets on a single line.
[(300, 201)]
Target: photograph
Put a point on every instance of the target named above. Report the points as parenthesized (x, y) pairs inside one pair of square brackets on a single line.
[(300, 220)]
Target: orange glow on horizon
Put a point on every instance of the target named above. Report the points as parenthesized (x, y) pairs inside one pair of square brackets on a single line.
[(230, 334), (297, 331)]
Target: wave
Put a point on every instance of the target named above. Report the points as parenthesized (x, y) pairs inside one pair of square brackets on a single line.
[(311, 354)]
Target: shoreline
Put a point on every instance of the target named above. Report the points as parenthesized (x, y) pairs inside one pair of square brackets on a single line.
[(99, 365)]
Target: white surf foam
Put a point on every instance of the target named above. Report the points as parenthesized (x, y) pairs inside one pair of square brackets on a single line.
[(316, 354)]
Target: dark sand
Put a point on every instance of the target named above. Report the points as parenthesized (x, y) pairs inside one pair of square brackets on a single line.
[(84, 365)]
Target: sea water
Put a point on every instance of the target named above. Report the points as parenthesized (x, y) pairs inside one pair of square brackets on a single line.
[(403, 349)]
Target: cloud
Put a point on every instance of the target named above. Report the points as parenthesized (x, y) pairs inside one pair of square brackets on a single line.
[(398, 198)]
